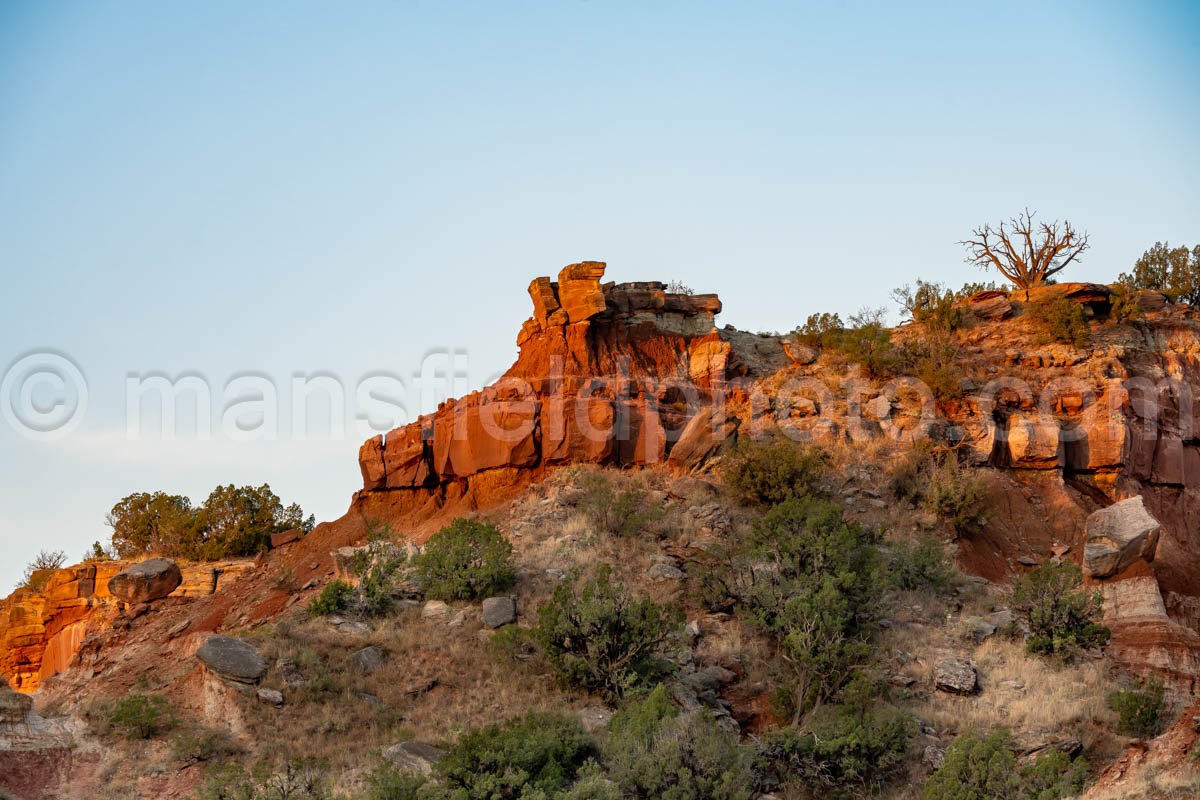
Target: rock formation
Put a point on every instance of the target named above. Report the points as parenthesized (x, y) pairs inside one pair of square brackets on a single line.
[(1118, 536), (632, 375), (41, 629)]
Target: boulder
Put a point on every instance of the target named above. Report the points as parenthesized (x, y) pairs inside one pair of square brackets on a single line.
[(1118, 536), (232, 660), (435, 609), (271, 697), (149, 580), (415, 757), (665, 572), (499, 611), (369, 659), (956, 676)]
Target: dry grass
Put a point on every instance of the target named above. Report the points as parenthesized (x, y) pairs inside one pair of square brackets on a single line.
[(438, 681), (1155, 784), (1024, 693)]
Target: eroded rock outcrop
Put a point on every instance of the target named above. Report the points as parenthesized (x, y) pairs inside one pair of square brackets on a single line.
[(607, 374), (42, 627)]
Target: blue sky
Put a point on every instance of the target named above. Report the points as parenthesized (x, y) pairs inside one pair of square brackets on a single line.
[(272, 189)]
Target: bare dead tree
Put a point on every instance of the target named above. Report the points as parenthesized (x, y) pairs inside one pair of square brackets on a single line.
[(1025, 252)]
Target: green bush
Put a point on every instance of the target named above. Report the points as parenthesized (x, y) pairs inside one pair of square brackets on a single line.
[(1060, 616), (1140, 710), (931, 305), (919, 565), (333, 599), (1123, 303), (814, 582), (771, 472), (531, 757), (141, 716), (955, 493), (983, 767), (868, 343), (386, 782), (865, 341), (653, 751), (621, 512), (1054, 776), (597, 636), (820, 330), (466, 560), (1064, 322), (376, 567), (202, 744), (850, 748), (298, 779)]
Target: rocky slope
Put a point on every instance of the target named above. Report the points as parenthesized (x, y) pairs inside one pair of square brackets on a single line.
[(1089, 454)]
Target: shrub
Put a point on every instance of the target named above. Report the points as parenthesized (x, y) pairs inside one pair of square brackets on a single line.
[(1123, 303), (1140, 710), (45, 560), (980, 766), (376, 568), (597, 636), (333, 599), (528, 756), (956, 494), (868, 343), (619, 512), (298, 779), (977, 766), (202, 744), (931, 305), (386, 782), (653, 751), (771, 472), (1053, 776), (141, 716), (865, 341), (1060, 616), (465, 561), (814, 582), (852, 747), (1064, 322), (919, 565), (820, 330)]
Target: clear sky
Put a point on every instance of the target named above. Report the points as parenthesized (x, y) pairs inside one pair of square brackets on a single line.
[(226, 189)]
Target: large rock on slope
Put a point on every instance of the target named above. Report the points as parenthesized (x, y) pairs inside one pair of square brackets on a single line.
[(149, 580), (232, 660), (955, 675), (1118, 536), (415, 757)]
